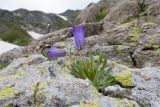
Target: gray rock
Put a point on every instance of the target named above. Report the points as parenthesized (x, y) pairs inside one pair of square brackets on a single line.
[(91, 12), (122, 11), (142, 39), (88, 15), (9, 56), (146, 85), (117, 92), (26, 83), (153, 10)]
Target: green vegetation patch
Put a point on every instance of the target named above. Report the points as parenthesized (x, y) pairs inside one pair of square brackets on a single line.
[(152, 42), (74, 15), (98, 72), (2, 66), (60, 23), (134, 37), (12, 33), (103, 12)]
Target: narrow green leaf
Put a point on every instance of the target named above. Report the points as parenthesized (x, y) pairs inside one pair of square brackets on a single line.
[(100, 58)]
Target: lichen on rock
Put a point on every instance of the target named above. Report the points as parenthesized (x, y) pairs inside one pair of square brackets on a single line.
[(7, 92), (125, 78), (89, 105)]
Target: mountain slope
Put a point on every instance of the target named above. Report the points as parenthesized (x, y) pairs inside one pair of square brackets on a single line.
[(14, 24), (71, 14), (34, 20), (13, 33)]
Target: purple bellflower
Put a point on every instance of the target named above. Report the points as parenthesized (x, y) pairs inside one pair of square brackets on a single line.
[(79, 36), (53, 52)]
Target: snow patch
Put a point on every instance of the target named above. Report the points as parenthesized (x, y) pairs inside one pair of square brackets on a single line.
[(34, 34), (5, 46), (63, 17)]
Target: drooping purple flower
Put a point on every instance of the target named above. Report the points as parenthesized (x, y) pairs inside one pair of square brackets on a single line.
[(53, 52), (79, 36)]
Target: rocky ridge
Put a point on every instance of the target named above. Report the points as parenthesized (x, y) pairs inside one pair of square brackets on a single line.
[(71, 14), (34, 20)]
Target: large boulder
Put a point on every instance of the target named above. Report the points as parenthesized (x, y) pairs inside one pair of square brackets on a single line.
[(123, 11), (154, 10), (34, 81), (9, 56), (95, 12), (126, 10), (143, 39), (145, 81), (88, 15)]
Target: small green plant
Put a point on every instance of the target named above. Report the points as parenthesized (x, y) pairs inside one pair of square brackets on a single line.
[(101, 14), (97, 72), (2, 66), (142, 6)]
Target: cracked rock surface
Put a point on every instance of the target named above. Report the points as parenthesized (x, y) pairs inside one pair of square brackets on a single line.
[(25, 83)]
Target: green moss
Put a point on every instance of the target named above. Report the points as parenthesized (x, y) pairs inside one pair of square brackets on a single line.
[(42, 84), (130, 19), (101, 14), (18, 74), (130, 64), (39, 85), (119, 65), (122, 103), (37, 88), (67, 78), (65, 32), (8, 104), (42, 70), (42, 105), (157, 52), (125, 78), (2, 66), (95, 92), (152, 23), (136, 34), (134, 37), (64, 69), (126, 25), (152, 42), (38, 91), (6, 92), (90, 105)]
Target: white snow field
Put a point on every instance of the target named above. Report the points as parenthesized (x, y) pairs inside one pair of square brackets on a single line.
[(5, 46), (35, 35), (63, 17)]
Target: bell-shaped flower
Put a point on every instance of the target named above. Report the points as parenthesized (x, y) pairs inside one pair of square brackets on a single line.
[(53, 52), (79, 36)]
